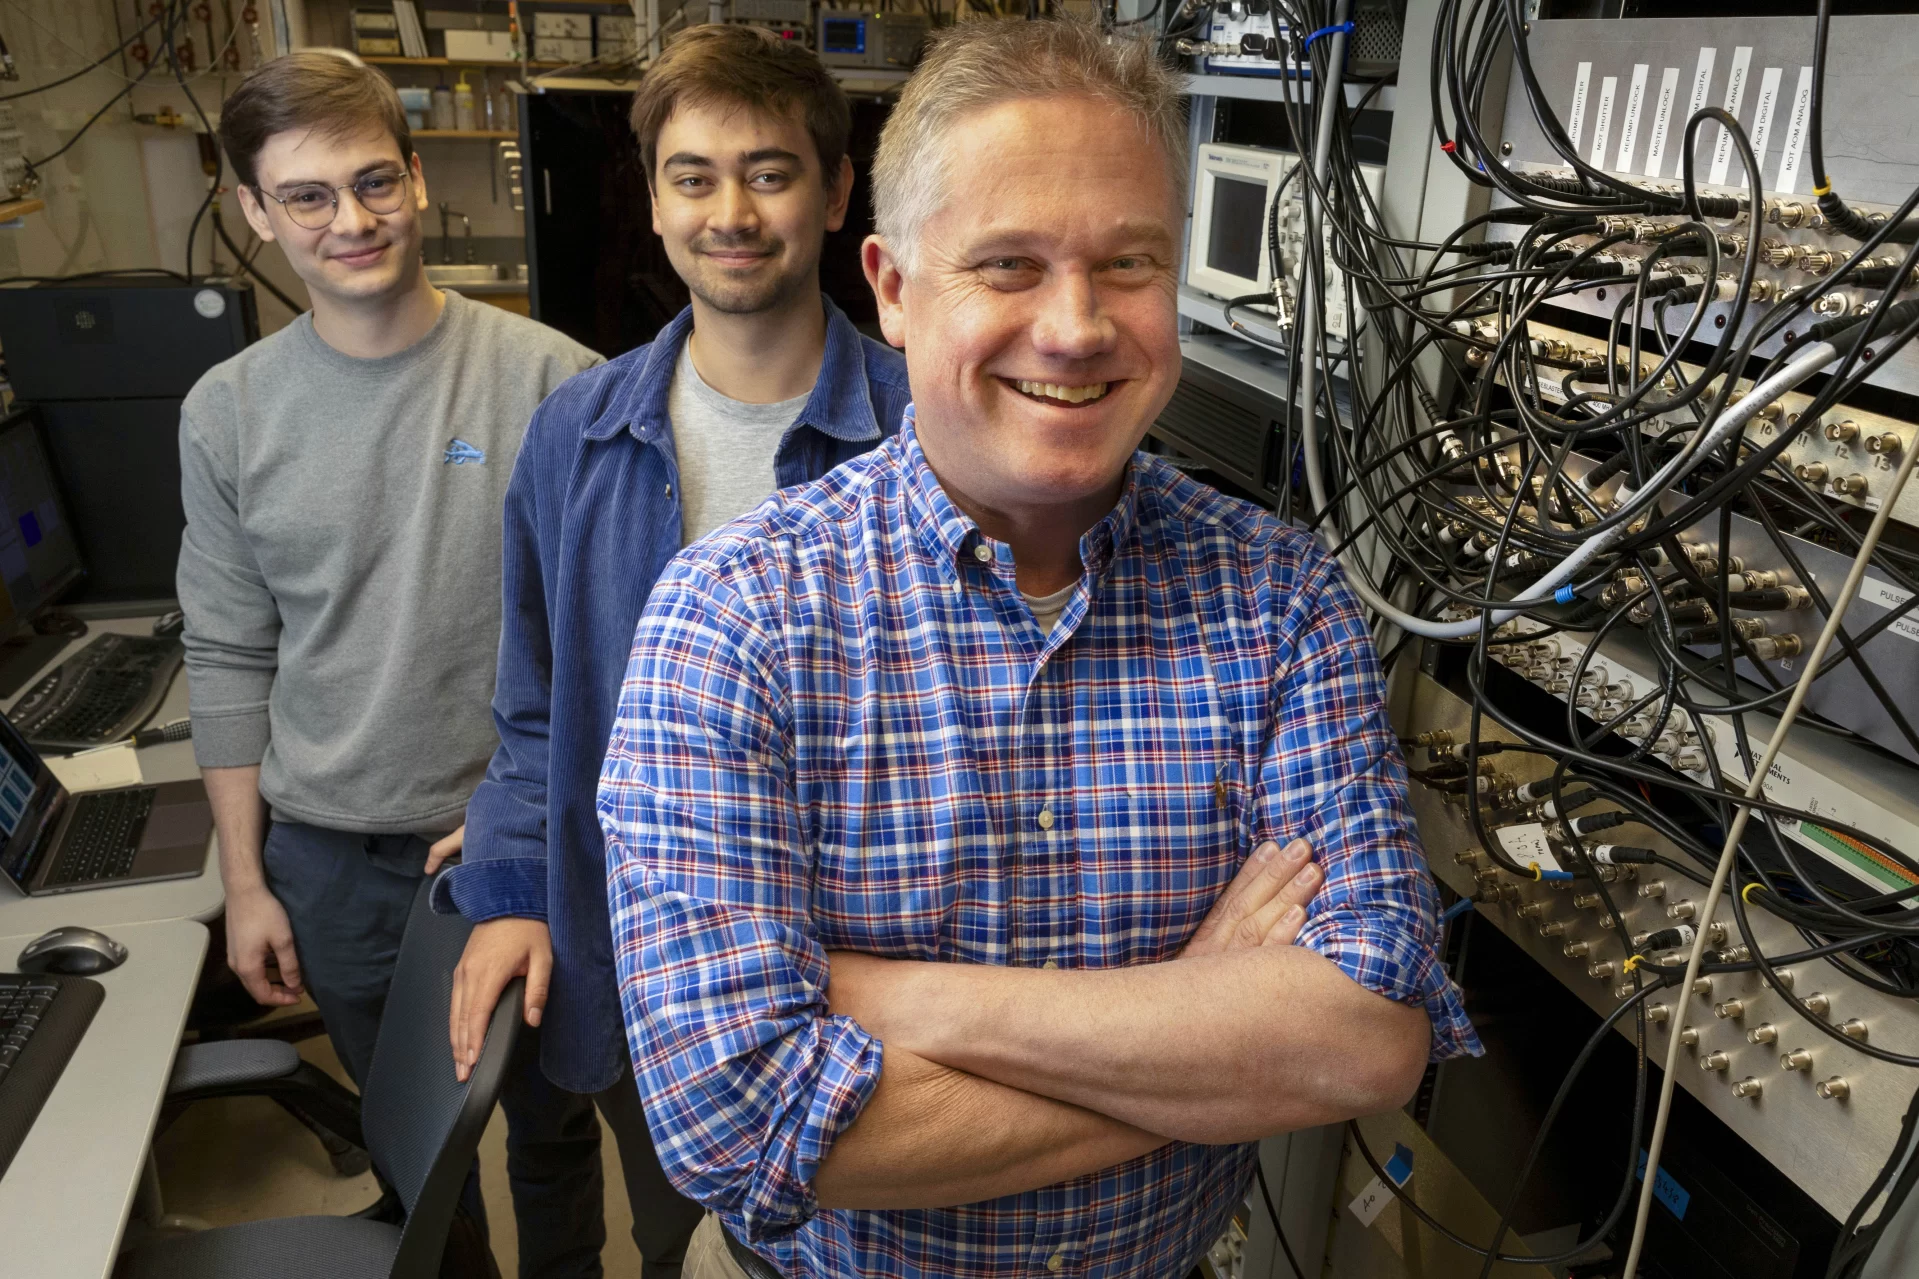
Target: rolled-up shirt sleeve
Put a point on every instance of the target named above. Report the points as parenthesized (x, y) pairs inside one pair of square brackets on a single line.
[(746, 1078), (1332, 774)]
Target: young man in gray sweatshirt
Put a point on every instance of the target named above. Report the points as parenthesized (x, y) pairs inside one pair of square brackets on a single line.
[(340, 575)]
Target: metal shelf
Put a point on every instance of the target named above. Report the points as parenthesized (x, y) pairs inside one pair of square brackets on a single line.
[(507, 63), (852, 79), (1229, 354), (1205, 309), (1241, 361), (1278, 89)]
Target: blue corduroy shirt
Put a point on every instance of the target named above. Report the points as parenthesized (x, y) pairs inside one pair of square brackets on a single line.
[(592, 519)]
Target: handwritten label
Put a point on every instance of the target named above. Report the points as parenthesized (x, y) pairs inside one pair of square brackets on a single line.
[(1666, 1190), (1795, 135), (1372, 1200), (1735, 99), (1526, 845), (1629, 132), (1577, 118), (1661, 121)]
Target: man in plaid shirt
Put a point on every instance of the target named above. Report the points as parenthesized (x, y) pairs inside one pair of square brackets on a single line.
[(931, 792)]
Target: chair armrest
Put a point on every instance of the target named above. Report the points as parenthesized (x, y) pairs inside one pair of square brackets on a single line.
[(266, 1068), (230, 1066)]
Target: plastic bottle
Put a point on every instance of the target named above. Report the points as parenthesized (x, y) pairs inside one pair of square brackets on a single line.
[(442, 107), (504, 113), (418, 103), (464, 116)]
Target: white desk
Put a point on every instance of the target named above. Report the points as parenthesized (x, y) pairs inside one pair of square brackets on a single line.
[(65, 1198), (200, 898)]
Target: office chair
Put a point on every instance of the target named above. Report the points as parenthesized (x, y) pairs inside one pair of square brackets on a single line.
[(421, 1127)]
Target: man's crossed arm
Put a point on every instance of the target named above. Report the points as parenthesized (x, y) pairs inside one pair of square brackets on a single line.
[(999, 1080)]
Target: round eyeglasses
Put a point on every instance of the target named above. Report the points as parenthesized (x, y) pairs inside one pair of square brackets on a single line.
[(314, 206)]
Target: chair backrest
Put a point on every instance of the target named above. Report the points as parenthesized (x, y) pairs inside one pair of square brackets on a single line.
[(422, 1126)]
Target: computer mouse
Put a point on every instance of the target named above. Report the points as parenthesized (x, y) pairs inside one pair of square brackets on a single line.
[(169, 623), (73, 951)]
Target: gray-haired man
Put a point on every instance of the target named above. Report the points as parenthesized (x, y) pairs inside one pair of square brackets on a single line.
[(931, 796)]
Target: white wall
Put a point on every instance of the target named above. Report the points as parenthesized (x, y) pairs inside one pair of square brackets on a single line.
[(126, 193)]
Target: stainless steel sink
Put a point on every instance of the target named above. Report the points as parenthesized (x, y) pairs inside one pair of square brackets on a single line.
[(468, 273)]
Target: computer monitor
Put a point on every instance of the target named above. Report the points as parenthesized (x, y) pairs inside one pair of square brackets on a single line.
[(38, 556), (1233, 192)]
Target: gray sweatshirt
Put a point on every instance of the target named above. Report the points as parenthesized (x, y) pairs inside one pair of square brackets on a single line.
[(340, 571)]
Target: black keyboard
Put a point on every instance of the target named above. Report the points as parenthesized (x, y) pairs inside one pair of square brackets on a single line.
[(100, 694), (42, 1020), (103, 836)]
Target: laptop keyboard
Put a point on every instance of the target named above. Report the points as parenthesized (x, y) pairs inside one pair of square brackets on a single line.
[(103, 837)]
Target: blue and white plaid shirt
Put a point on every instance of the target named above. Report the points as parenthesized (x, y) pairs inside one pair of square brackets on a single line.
[(842, 729)]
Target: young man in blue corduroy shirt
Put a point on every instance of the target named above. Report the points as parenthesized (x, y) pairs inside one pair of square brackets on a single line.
[(760, 383)]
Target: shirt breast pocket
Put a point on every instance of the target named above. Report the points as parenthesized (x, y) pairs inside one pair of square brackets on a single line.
[(1168, 840)]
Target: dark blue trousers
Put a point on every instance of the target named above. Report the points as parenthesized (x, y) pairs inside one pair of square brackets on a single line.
[(347, 897)]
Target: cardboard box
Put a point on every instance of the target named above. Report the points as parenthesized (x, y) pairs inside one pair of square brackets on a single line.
[(569, 49), (456, 20), (479, 46), (563, 26), (616, 35)]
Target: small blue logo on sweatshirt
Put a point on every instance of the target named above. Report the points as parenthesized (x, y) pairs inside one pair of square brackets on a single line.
[(459, 452)]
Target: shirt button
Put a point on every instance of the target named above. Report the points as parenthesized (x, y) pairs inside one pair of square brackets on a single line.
[(669, 490), (1046, 819), (1055, 1261), (983, 553)]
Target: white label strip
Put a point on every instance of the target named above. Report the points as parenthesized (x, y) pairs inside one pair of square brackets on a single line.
[(1795, 134), (1578, 115), (1629, 131), (1875, 590), (1762, 121), (1701, 85), (1735, 99), (1602, 124), (1661, 121)]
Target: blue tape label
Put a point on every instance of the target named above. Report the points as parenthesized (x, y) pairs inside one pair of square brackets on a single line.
[(1666, 1190), (1400, 1166)]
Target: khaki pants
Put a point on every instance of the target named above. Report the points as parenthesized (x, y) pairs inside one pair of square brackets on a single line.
[(706, 1255)]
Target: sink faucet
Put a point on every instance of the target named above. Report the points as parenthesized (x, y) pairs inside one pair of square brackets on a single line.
[(447, 214)]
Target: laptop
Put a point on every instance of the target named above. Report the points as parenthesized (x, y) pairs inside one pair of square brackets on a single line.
[(59, 842)]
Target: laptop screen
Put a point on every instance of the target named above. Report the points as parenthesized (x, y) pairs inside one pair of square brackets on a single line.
[(27, 792)]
